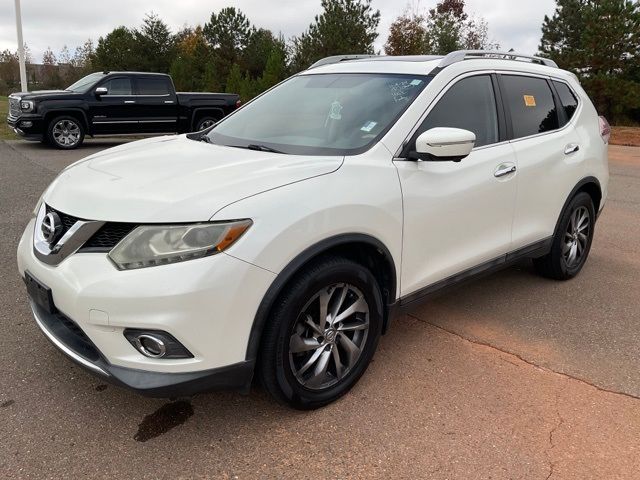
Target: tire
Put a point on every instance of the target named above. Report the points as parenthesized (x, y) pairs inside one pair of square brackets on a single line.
[(295, 378), (205, 122), (65, 132), (571, 242)]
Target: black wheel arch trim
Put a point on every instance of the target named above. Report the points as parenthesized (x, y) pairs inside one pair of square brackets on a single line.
[(585, 181), (294, 266), (203, 111), (52, 114)]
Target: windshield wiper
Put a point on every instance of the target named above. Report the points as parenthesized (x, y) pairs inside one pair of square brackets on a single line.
[(262, 148)]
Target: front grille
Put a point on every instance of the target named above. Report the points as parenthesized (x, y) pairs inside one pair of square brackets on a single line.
[(108, 236), (14, 107), (104, 239)]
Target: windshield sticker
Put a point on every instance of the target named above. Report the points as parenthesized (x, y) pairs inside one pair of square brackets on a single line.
[(530, 100), (416, 82), (367, 127), (335, 111)]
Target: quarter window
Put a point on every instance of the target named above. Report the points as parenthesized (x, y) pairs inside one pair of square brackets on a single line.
[(531, 104), (471, 105), (567, 99), (118, 86), (153, 86)]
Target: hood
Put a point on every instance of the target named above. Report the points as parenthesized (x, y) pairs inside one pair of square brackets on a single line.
[(45, 95), (174, 179)]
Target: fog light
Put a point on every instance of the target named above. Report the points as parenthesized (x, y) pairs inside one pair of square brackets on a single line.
[(26, 124), (156, 344)]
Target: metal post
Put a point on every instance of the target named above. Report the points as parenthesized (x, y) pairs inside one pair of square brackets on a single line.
[(23, 69)]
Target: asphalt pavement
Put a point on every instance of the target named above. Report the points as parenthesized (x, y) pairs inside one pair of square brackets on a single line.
[(511, 376)]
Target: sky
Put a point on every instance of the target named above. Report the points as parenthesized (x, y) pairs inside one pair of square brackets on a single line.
[(47, 23)]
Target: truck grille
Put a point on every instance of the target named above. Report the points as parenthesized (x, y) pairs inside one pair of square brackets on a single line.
[(14, 107)]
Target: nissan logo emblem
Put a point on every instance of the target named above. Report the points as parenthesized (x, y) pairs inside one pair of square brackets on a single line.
[(51, 227)]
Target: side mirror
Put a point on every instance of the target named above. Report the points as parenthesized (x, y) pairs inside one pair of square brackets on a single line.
[(444, 145), (101, 91)]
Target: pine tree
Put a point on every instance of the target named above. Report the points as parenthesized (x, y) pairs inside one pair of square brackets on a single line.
[(599, 40)]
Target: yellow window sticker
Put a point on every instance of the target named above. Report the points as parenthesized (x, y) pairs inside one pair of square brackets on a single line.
[(530, 100)]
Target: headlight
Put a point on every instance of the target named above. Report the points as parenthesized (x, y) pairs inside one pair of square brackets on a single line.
[(26, 105), (151, 245)]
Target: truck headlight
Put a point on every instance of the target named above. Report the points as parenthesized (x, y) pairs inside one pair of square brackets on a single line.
[(152, 245), (26, 105)]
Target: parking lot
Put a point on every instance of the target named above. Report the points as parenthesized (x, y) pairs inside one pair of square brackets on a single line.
[(512, 376)]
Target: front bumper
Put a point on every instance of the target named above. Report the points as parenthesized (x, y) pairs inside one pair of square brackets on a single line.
[(28, 125), (208, 304)]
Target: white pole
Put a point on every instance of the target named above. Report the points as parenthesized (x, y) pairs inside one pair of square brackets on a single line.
[(23, 69)]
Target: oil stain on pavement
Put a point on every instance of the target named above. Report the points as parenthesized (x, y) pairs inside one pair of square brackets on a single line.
[(164, 419)]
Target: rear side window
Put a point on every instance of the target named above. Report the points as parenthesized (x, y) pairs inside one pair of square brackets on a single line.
[(531, 104), (567, 99), (471, 105), (153, 86), (118, 86)]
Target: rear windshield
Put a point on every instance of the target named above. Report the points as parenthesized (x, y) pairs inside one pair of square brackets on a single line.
[(322, 114)]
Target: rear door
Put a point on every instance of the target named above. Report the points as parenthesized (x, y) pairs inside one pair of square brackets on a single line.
[(113, 112), (156, 104), (548, 153), (458, 215)]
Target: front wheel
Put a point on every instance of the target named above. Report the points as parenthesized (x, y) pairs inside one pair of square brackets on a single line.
[(322, 334), (572, 241), (65, 132)]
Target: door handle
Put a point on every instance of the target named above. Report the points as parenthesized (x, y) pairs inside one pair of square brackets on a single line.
[(129, 101), (571, 148), (168, 101), (504, 169)]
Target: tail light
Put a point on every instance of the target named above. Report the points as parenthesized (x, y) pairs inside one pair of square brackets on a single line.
[(238, 103), (605, 129)]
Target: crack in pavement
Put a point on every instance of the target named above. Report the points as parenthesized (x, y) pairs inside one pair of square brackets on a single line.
[(522, 359), (552, 445)]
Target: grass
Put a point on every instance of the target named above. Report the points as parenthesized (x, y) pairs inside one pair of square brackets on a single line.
[(5, 132)]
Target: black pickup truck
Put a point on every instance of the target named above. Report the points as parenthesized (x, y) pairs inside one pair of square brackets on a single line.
[(114, 103)]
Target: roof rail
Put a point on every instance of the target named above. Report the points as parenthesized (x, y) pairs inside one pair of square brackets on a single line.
[(338, 59), (461, 55)]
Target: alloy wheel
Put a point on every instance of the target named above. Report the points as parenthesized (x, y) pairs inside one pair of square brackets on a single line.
[(206, 124), (576, 236), (329, 336), (66, 133)]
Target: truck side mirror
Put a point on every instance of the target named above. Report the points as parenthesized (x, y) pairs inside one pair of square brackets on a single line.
[(101, 91)]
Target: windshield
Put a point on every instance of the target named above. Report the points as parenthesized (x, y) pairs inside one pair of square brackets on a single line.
[(84, 84), (321, 114)]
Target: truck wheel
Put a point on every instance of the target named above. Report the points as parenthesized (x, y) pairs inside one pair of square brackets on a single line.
[(205, 122), (65, 132), (572, 241), (322, 333)]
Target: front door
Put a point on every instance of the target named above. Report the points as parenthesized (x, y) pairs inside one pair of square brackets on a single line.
[(458, 216), (114, 112)]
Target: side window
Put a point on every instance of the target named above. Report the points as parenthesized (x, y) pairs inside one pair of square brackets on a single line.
[(567, 99), (471, 105), (118, 86), (531, 104), (153, 86)]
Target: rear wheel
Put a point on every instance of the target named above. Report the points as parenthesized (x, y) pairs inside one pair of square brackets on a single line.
[(65, 132), (205, 122), (572, 241), (322, 334)]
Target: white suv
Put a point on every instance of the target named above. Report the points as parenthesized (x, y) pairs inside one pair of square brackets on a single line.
[(282, 240)]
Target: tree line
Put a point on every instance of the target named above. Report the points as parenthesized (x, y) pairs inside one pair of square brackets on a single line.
[(598, 40)]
